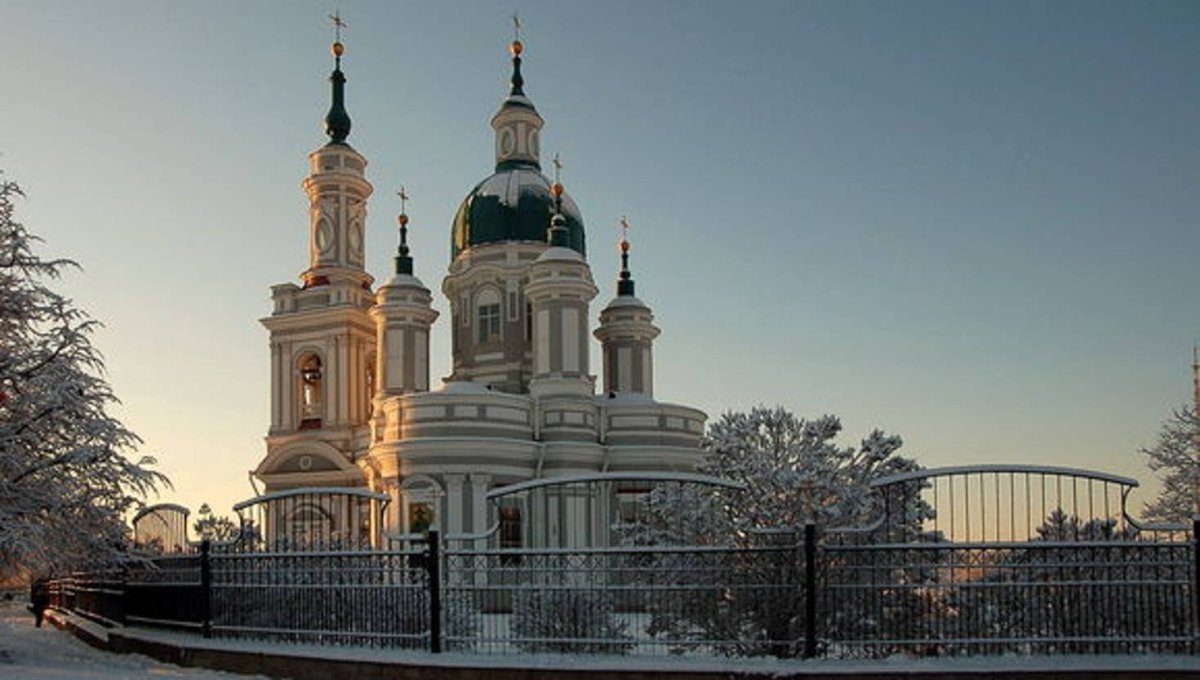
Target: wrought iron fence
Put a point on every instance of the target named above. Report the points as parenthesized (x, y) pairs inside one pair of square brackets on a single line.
[(1069, 572), (337, 597), (637, 600), (934, 599)]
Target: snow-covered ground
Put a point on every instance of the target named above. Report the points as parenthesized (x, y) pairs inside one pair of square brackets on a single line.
[(29, 653)]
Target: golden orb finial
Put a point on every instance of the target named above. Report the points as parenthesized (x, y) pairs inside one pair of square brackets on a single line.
[(338, 49), (402, 219), (556, 189), (516, 48)]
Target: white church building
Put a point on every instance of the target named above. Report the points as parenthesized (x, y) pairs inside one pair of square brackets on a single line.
[(351, 400)]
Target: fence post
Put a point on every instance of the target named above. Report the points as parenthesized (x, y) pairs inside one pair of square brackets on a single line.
[(206, 588), (1195, 581), (810, 590), (433, 565)]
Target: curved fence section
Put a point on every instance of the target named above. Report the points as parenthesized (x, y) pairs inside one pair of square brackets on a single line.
[(1007, 559), (311, 518), (161, 528), (998, 559)]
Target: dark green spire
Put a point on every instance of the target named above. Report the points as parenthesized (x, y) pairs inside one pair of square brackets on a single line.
[(337, 121), (517, 81), (625, 279), (404, 263), (515, 48), (557, 234)]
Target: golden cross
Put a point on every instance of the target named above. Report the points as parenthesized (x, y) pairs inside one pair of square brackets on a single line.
[(338, 24), (403, 197), (516, 26), (624, 228), (558, 166)]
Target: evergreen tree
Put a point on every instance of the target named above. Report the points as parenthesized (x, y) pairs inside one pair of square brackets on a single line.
[(66, 480), (213, 527), (1174, 458)]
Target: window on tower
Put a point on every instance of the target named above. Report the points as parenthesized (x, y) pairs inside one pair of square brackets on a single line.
[(489, 322), (488, 305)]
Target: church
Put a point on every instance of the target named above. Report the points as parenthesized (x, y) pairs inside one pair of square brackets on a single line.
[(351, 400)]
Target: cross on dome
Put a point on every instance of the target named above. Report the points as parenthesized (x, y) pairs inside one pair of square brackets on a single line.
[(338, 24)]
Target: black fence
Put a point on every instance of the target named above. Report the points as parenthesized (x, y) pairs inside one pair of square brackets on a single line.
[(788, 595), (960, 561)]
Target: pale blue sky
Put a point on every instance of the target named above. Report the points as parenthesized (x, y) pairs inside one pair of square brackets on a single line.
[(970, 223)]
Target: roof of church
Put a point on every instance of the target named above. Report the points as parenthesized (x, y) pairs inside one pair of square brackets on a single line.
[(514, 204)]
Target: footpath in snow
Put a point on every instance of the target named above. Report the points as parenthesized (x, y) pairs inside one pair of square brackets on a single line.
[(46, 653)]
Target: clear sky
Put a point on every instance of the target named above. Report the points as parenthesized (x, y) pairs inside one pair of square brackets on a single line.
[(970, 223)]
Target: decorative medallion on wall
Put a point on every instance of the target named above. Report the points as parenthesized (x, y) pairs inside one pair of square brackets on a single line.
[(324, 235), (356, 240), (508, 143)]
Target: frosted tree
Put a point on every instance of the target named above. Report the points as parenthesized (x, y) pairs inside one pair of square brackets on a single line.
[(210, 526), (794, 472), (66, 478), (1173, 457)]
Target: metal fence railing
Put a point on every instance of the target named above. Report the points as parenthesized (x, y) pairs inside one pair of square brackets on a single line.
[(333, 597), (837, 596), (1020, 598), (962, 561), (654, 601)]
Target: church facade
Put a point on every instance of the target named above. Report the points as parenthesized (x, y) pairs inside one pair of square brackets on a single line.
[(351, 399)]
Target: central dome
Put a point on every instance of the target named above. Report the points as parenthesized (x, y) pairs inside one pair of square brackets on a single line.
[(515, 204)]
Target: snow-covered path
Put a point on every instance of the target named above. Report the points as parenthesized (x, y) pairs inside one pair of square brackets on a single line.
[(29, 653)]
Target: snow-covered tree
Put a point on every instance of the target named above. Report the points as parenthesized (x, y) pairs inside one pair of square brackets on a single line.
[(213, 527), (1174, 457), (794, 472), (66, 478)]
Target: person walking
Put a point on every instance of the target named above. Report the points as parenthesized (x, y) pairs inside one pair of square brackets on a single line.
[(39, 598)]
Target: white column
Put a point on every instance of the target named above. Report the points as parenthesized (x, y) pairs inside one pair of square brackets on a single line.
[(479, 489), (454, 504), (394, 515), (346, 375), (276, 410), (287, 386)]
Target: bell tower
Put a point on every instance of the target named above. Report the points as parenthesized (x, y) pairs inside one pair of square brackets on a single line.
[(322, 337)]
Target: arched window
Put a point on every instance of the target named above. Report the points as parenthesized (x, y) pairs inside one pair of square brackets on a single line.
[(311, 392), (487, 307)]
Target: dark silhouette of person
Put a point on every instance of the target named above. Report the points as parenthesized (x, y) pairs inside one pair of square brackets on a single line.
[(39, 598)]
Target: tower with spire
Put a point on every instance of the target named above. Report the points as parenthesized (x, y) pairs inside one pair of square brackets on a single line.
[(352, 403), (403, 315), (626, 334), (322, 336)]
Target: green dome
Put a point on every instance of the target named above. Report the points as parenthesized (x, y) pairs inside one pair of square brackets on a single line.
[(515, 204)]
